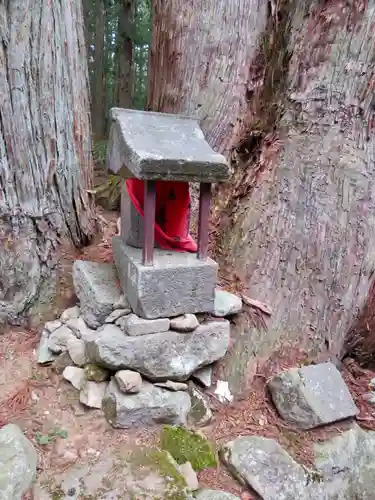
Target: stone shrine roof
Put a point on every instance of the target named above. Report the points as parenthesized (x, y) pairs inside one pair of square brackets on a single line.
[(160, 146)]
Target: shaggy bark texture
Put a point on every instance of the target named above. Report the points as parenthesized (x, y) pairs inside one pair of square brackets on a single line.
[(45, 148), (285, 89)]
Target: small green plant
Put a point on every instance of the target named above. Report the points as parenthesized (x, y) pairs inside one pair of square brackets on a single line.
[(44, 439), (99, 151)]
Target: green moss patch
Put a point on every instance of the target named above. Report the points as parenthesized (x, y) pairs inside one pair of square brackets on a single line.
[(187, 446)]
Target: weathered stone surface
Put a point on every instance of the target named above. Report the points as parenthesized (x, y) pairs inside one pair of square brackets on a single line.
[(80, 329), (146, 474), (172, 386), (160, 146), (96, 287), (139, 326), (190, 476), (200, 413), (18, 461), (185, 323), (77, 351), (214, 495), (61, 362), (129, 381), (160, 356), (178, 283), (51, 326), (261, 464), (312, 395), (117, 314), (58, 339), (121, 303), (43, 355), (151, 405), (204, 376), (226, 303), (92, 393), (71, 313), (75, 375), (96, 373)]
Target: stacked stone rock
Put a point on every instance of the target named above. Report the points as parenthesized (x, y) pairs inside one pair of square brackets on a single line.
[(135, 369)]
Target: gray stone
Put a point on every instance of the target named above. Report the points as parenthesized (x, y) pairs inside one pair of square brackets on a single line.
[(121, 303), (204, 376), (178, 283), (312, 395), (92, 394), (134, 325), (160, 356), (58, 339), (77, 351), (75, 375), (172, 386), (80, 329), (96, 287), (96, 373), (43, 355), (61, 362), (190, 476), (214, 495), (128, 381), (185, 323), (160, 146), (151, 405), (51, 326), (226, 304), (18, 461), (263, 465), (118, 473), (117, 314), (200, 413), (71, 313)]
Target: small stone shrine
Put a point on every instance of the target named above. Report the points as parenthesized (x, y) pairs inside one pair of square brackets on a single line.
[(162, 147), (135, 341)]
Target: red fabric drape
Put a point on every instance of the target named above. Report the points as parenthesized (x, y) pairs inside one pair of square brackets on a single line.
[(172, 213)]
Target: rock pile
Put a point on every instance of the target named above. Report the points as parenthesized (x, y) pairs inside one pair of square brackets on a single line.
[(135, 369)]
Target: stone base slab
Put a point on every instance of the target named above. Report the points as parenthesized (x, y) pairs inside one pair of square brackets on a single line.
[(177, 283)]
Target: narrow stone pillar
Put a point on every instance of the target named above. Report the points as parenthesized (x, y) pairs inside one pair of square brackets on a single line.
[(204, 217)]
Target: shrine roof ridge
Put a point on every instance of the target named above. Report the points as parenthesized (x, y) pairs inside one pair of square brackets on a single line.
[(161, 146)]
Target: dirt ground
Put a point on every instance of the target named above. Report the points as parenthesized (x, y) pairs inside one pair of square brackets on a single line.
[(64, 432)]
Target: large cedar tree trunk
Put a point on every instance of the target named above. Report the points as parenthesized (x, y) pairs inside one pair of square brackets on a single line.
[(124, 84), (285, 89), (45, 148), (98, 98)]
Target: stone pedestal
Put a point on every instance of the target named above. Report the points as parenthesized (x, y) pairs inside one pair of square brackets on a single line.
[(177, 283)]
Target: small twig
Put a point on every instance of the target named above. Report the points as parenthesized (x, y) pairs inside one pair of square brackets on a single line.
[(257, 304)]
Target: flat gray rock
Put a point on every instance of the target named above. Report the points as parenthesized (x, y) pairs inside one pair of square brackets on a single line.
[(204, 376), (75, 375), (151, 405), (185, 323), (51, 326), (92, 393), (117, 314), (58, 339), (43, 355), (18, 461), (133, 325), (200, 413), (160, 146), (226, 304), (77, 351), (172, 386), (312, 395), (128, 381), (263, 465), (71, 313), (214, 495), (80, 329), (160, 356), (97, 289)]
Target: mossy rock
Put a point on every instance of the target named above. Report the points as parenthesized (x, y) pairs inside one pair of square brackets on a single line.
[(96, 373), (188, 446)]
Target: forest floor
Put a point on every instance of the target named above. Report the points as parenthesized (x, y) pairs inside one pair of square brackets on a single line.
[(40, 402)]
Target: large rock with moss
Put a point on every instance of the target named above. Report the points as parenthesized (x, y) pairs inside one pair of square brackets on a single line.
[(160, 356), (149, 406), (18, 460), (188, 446), (147, 474)]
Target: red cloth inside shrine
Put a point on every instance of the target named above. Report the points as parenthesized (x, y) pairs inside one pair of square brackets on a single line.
[(172, 213)]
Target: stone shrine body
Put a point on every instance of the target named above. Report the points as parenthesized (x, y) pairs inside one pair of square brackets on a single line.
[(155, 148)]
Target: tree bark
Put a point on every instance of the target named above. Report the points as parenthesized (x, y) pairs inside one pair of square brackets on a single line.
[(45, 148), (124, 84), (98, 97), (285, 90)]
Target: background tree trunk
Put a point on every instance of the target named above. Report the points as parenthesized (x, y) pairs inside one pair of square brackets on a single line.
[(286, 91), (98, 94), (124, 84), (45, 148)]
